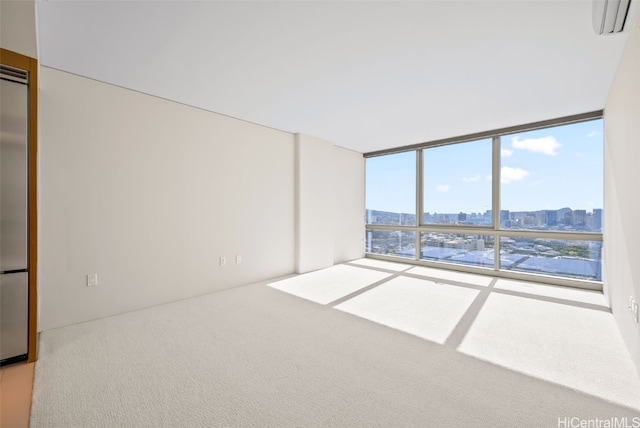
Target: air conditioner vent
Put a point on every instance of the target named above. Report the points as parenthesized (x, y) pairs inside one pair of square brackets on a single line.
[(14, 74), (609, 16)]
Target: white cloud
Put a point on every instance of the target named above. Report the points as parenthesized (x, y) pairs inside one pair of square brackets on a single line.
[(488, 177), (471, 179), (443, 188), (507, 174), (593, 134), (505, 153), (544, 145)]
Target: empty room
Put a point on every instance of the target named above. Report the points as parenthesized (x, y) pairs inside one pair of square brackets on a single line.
[(320, 213)]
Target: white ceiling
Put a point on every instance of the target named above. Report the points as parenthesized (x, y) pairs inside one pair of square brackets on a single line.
[(366, 75)]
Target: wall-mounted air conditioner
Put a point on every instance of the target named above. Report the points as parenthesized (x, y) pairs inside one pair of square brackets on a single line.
[(609, 15)]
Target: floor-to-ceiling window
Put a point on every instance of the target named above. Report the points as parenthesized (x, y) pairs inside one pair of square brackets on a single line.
[(523, 200)]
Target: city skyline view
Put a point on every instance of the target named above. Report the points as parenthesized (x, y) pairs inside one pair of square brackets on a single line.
[(551, 256), (551, 180), (546, 169), (565, 219)]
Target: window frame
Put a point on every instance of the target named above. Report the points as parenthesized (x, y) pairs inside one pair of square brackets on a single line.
[(420, 184), (495, 229)]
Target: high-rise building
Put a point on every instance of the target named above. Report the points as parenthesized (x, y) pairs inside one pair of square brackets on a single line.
[(579, 218), (504, 217), (487, 217), (596, 224), (567, 218), (550, 218)]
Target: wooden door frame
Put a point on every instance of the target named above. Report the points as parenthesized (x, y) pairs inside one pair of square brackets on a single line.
[(14, 59)]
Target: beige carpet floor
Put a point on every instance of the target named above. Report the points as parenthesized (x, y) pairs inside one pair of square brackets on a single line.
[(365, 344)]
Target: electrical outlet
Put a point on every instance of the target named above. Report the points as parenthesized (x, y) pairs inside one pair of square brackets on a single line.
[(223, 261), (92, 280), (238, 259), (633, 308)]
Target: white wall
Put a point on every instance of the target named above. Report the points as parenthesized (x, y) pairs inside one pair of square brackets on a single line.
[(18, 27), (314, 203), (148, 194), (348, 214), (329, 204), (622, 196)]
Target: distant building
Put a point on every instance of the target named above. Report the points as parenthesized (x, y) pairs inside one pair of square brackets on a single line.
[(504, 217), (550, 217), (579, 218), (529, 220), (568, 218), (596, 221), (562, 216)]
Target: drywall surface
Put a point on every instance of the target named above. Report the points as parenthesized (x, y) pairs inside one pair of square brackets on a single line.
[(18, 27), (622, 198), (348, 215), (314, 203), (329, 204), (149, 194)]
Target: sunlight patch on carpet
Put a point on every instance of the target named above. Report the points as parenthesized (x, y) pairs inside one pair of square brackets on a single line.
[(566, 293), (381, 264), (328, 285), (567, 345), (448, 275), (415, 306)]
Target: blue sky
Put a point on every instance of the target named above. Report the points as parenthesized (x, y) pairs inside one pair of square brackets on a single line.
[(551, 168)]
